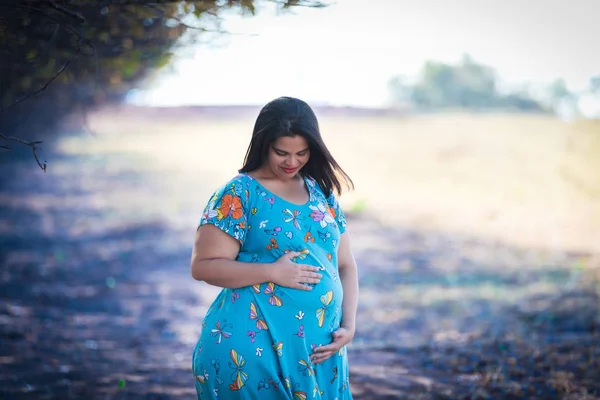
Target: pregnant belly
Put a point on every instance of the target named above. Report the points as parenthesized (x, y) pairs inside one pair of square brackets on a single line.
[(318, 309), (321, 305), (312, 315), (281, 313)]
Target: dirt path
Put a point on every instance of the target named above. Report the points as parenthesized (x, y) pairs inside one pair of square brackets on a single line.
[(97, 303)]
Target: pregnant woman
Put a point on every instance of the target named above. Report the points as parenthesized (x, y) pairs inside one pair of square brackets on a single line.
[(274, 238)]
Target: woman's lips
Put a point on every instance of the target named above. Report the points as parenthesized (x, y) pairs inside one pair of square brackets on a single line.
[(289, 170)]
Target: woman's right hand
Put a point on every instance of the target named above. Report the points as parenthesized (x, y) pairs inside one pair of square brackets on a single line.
[(292, 275)]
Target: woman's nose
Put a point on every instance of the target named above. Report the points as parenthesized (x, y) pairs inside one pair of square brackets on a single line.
[(292, 162)]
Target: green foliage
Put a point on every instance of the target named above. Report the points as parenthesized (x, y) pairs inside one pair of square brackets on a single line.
[(61, 56), (467, 85)]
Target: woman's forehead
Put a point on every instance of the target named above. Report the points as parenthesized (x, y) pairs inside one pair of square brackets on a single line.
[(291, 143)]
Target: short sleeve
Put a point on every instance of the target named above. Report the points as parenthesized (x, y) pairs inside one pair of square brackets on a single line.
[(227, 210), (336, 211)]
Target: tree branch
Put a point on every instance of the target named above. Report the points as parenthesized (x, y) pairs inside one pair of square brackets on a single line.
[(60, 71), (71, 28), (198, 28), (179, 20), (66, 11), (33, 146)]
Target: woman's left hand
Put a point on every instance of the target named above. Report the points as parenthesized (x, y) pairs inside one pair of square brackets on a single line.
[(341, 337)]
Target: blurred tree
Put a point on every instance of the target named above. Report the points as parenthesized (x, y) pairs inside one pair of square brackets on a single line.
[(559, 90), (594, 85), (63, 56), (435, 85), (588, 100), (562, 100), (466, 85), (400, 91)]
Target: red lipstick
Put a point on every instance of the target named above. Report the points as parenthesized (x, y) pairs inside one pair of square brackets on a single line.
[(289, 170)]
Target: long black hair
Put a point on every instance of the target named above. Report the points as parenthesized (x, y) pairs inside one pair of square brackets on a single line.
[(288, 116)]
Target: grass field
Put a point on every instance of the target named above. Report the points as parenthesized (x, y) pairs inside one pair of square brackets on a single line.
[(525, 180)]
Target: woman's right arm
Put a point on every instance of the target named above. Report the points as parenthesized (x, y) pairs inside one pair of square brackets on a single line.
[(213, 261)]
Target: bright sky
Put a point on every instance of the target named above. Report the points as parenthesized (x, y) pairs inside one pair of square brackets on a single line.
[(345, 54)]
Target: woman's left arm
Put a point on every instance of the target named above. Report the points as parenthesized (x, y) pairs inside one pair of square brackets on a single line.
[(349, 278)]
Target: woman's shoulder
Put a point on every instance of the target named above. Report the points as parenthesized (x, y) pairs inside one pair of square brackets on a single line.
[(236, 186), (239, 179)]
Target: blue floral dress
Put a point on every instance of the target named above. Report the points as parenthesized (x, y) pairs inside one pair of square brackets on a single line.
[(256, 340)]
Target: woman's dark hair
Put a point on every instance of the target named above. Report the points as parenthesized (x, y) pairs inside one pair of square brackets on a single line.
[(287, 116)]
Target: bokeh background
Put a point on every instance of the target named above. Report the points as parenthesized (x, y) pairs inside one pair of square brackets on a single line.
[(471, 131)]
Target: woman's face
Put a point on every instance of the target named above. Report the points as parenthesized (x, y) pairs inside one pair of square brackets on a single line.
[(287, 156)]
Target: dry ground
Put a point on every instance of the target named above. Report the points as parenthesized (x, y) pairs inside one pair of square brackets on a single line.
[(477, 238)]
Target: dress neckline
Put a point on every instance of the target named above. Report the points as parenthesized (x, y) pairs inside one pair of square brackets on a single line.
[(306, 186)]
